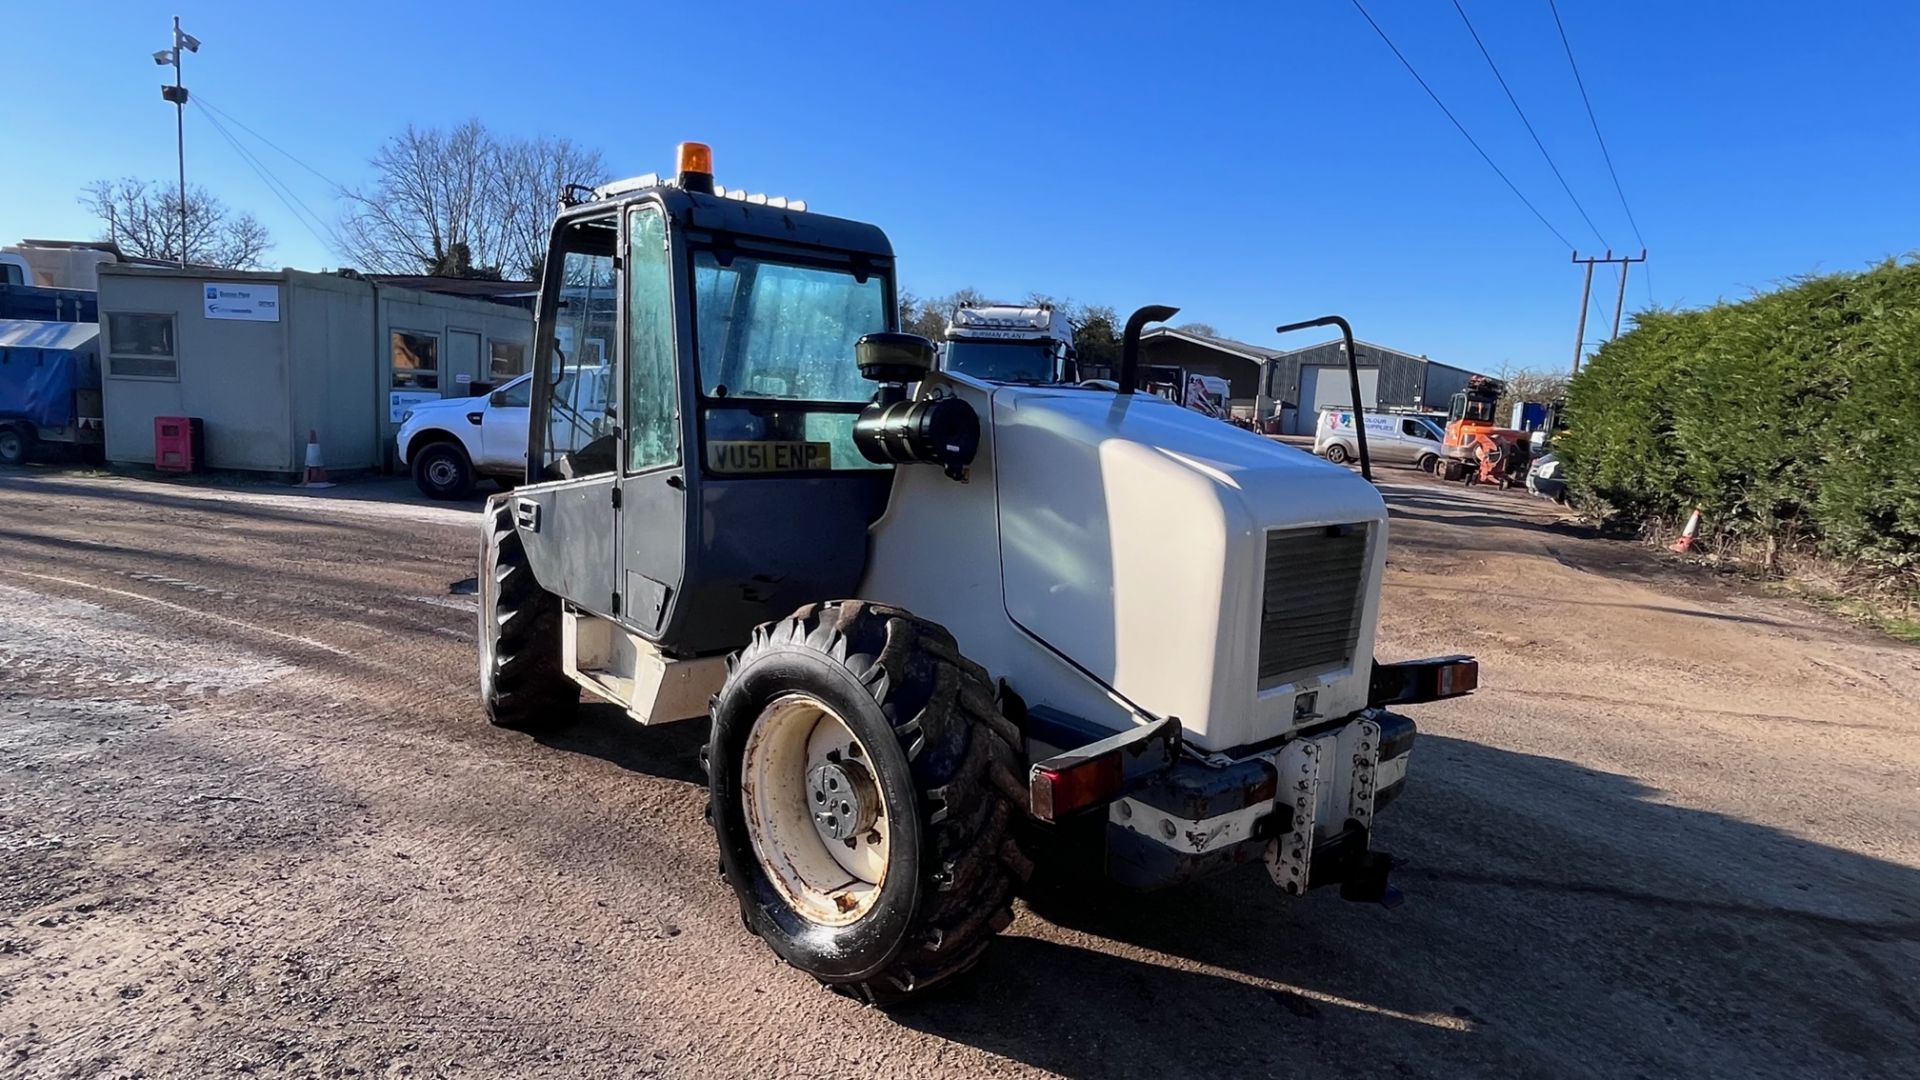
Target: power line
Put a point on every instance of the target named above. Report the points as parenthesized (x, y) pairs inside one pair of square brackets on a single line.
[(1515, 102), (201, 100), (1458, 125), (1595, 121), (275, 185), (297, 207)]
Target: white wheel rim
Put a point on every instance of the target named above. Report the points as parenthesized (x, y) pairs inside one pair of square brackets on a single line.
[(796, 741)]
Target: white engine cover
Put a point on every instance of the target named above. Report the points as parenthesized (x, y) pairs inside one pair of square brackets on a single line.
[(1131, 543)]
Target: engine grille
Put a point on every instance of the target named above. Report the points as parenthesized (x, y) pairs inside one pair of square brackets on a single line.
[(1310, 610)]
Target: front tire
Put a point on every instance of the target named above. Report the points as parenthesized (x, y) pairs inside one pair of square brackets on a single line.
[(902, 886), (522, 681), (441, 470), (1337, 454)]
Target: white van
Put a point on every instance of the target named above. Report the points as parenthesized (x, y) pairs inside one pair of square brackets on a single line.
[(1391, 437)]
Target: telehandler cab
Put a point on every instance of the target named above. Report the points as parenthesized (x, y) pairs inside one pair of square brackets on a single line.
[(942, 629)]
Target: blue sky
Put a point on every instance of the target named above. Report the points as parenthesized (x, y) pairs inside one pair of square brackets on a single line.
[(1250, 163)]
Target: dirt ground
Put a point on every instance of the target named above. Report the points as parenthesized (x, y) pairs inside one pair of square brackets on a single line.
[(252, 823)]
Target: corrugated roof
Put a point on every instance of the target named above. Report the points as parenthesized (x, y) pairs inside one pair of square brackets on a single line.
[(1240, 348), (33, 334), (1364, 345)]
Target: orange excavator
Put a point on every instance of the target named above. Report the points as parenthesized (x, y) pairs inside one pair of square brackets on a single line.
[(1476, 449)]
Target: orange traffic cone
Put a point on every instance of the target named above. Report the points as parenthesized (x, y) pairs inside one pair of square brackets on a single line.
[(316, 467), (1685, 543)]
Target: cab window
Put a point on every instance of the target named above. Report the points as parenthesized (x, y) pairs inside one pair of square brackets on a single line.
[(778, 384), (580, 423), (517, 394), (653, 433), (769, 330)]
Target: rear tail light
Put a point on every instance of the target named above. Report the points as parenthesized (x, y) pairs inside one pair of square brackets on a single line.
[(1058, 792)]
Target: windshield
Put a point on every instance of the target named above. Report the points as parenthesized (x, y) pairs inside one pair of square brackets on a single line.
[(1002, 361), (1474, 408), (777, 368), (773, 330)]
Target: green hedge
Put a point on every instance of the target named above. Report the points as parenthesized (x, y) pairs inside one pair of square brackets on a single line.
[(1792, 415)]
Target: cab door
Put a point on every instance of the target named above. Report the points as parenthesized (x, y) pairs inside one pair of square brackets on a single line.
[(653, 485), (568, 516), (503, 427)]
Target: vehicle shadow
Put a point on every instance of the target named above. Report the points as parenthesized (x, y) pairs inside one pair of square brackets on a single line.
[(1559, 921), (668, 751)]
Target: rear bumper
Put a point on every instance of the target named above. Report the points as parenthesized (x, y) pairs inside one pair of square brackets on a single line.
[(1305, 808)]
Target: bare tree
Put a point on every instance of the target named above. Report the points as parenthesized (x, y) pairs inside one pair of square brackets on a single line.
[(928, 316), (1526, 384), (1200, 328), (532, 173), (463, 202), (144, 220)]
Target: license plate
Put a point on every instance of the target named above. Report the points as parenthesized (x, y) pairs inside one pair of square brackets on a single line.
[(766, 457)]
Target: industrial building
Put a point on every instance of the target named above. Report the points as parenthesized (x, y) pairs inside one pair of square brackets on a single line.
[(1295, 384), (261, 359)]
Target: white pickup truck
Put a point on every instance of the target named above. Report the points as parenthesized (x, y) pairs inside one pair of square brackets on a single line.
[(452, 442)]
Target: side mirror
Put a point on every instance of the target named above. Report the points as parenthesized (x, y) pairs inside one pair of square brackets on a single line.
[(497, 399), (890, 357)]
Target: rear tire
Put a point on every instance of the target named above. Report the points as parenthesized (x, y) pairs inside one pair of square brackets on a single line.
[(916, 725), (441, 471), (522, 682), (16, 444), (1337, 454)]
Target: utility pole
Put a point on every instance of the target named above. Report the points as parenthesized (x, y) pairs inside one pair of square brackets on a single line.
[(178, 95), (1620, 299), (1586, 297)]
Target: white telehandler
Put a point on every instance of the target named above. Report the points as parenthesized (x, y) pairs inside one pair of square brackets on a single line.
[(942, 627)]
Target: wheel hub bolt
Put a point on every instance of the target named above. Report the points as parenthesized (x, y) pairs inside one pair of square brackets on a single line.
[(842, 799)]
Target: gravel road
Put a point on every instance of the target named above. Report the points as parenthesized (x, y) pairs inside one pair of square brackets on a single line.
[(252, 822)]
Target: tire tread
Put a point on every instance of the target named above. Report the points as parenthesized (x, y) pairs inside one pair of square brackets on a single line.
[(527, 688), (965, 761)]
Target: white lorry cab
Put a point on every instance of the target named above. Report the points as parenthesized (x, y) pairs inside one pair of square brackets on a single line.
[(1409, 440), (1006, 344)]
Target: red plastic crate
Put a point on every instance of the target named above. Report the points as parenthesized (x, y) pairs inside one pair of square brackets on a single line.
[(179, 443)]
